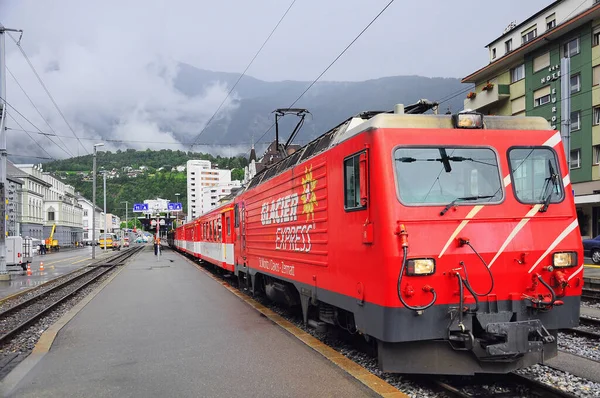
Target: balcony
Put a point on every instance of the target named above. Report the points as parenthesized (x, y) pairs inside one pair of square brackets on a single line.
[(484, 99)]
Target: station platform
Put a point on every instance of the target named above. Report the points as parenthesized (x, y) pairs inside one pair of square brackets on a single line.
[(591, 271), (55, 265), (165, 329)]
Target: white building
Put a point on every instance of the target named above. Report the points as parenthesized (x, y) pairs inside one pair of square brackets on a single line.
[(113, 223), (200, 175), (212, 195), (87, 218)]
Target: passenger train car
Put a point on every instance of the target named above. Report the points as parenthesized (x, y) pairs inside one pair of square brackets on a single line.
[(449, 241)]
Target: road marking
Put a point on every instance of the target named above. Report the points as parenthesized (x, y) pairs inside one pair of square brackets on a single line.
[(361, 374), (591, 266)]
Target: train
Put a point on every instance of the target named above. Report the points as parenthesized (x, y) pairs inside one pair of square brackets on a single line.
[(450, 242)]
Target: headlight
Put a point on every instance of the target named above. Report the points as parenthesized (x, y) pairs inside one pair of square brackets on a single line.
[(468, 120), (565, 259), (420, 266)]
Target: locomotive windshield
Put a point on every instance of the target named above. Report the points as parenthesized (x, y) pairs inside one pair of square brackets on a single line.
[(535, 175), (444, 174)]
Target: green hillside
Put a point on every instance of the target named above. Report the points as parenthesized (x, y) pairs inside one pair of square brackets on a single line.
[(155, 180)]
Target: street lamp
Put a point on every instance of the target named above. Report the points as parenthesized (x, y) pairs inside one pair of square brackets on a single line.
[(177, 214), (94, 203), (105, 223), (126, 219)]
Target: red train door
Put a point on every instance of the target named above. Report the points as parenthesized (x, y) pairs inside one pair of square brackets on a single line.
[(243, 230)]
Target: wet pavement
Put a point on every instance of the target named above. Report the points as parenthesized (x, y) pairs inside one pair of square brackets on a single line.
[(165, 329), (55, 265)]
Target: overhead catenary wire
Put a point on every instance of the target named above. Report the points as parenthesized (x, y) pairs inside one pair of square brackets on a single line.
[(30, 136), (66, 149), (332, 62), (140, 141), (39, 131), (244, 72), (20, 47)]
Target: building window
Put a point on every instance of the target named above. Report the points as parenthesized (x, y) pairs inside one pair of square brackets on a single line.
[(517, 73), (541, 62), (551, 21), (571, 48), (575, 120), (529, 35), (575, 159), (596, 36), (596, 154), (575, 83), (85, 213), (50, 216), (352, 183), (541, 96), (493, 53), (596, 116), (508, 45)]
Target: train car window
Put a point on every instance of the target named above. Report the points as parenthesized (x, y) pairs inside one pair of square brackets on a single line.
[(443, 175), (535, 174), (228, 223), (236, 216), (219, 230), (352, 183)]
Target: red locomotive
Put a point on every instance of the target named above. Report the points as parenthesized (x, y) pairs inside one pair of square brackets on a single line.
[(450, 241)]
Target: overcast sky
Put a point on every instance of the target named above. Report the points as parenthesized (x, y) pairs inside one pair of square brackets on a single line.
[(125, 52)]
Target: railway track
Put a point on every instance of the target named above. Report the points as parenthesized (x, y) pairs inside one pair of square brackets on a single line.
[(17, 318), (591, 294), (510, 385), (587, 333)]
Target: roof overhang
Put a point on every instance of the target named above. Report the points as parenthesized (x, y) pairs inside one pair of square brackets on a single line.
[(509, 59)]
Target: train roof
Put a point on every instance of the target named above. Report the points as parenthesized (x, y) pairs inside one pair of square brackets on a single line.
[(374, 120)]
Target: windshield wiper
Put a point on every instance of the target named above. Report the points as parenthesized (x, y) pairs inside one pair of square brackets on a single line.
[(449, 205), (554, 179)]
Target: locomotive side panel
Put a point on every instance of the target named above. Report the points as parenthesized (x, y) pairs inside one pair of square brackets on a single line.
[(286, 223)]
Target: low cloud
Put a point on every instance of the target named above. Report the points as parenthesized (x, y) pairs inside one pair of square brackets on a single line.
[(111, 82)]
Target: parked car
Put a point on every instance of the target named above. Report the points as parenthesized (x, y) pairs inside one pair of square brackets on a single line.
[(591, 248)]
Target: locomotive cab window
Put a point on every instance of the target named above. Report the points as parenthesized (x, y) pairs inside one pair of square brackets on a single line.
[(446, 174), (536, 177), (355, 182)]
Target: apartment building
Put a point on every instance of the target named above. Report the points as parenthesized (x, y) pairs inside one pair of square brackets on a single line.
[(202, 180), (87, 218), (523, 77)]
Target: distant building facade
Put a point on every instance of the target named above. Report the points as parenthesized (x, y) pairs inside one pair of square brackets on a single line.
[(88, 218), (14, 193), (205, 187), (523, 77)]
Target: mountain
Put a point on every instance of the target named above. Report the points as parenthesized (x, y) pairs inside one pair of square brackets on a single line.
[(329, 102)]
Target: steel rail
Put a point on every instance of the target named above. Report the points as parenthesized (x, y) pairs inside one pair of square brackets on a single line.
[(92, 267), (34, 318)]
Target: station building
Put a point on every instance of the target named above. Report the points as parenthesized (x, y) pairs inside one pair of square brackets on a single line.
[(523, 77)]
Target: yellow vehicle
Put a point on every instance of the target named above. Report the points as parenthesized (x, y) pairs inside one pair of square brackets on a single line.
[(109, 241), (51, 243)]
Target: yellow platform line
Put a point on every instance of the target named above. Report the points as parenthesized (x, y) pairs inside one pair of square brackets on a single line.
[(591, 266), (367, 378)]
